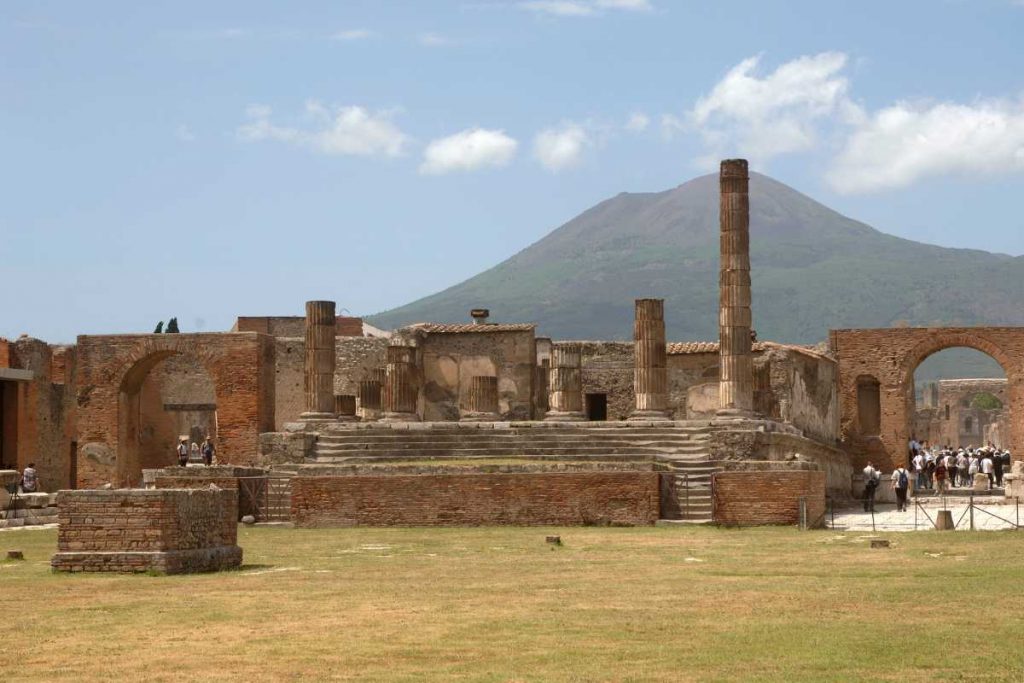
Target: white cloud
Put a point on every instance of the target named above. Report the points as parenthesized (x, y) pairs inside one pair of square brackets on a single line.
[(762, 117), (353, 34), (430, 39), (468, 150), (346, 131), (638, 122), (184, 133), (583, 8), (561, 148), (903, 143)]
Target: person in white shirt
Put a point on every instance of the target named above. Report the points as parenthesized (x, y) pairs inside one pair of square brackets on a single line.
[(900, 484), (922, 479), (962, 465), (988, 469), (871, 477)]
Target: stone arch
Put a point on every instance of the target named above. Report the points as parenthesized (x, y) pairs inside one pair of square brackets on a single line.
[(110, 368), (140, 364), (869, 405)]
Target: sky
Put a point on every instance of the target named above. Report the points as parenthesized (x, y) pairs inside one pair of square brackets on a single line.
[(210, 160)]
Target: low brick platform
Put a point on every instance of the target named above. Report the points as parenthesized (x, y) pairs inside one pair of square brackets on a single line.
[(525, 499), (765, 497), (222, 476), (173, 531)]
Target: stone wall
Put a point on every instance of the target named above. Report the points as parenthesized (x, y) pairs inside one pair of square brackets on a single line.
[(802, 391), (224, 477), (619, 498), (449, 361), (607, 368), (173, 531), (294, 325), (758, 498)]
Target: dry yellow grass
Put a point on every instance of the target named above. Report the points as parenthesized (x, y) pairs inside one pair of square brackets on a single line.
[(499, 604)]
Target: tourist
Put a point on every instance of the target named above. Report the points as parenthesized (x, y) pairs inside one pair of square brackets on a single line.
[(929, 469), (30, 479), (940, 476), (997, 467), (193, 452), (918, 464), (183, 453), (988, 469), (962, 463), (951, 469), (871, 477), (900, 484), (973, 467), (208, 451), (914, 447)]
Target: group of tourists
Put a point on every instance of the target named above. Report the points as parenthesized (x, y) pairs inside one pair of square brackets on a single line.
[(938, 470), (942, 468), (187, 454)]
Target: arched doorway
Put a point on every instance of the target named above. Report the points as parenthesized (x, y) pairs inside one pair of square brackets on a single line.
[(163, 397), (961, 399)]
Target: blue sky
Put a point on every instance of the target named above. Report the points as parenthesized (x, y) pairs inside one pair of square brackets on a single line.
[(209, 160)]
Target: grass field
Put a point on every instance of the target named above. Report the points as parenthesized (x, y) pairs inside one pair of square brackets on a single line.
[(498, 604)]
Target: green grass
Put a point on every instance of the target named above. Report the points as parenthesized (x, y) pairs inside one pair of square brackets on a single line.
[(498, 604)]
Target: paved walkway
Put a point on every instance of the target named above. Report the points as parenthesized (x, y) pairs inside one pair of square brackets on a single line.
[(989, 516)]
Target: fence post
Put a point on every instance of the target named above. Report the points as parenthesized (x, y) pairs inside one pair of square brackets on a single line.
[(803, 513), (971, 504)]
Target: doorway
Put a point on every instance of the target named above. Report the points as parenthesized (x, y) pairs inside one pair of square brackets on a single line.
[(597, 407)]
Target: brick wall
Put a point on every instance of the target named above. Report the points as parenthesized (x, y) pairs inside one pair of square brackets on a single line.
[(139, 530), (890, 357), (620, 498), (110, 370), (222, 477), (757, 498)]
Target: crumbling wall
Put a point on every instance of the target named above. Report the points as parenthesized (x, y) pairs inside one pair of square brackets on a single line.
[(583, 498), (766, 497), (450, 361), (608, 368)]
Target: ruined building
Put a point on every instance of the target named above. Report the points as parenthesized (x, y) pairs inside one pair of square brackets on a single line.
[(484, 421)]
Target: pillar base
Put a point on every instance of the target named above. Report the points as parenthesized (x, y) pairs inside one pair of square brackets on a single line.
[(649, 416), (399, 417), (480, 417), (370, 414), (559, 416), (317, 417)]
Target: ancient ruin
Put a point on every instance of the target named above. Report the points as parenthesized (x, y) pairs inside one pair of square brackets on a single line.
[(526, 429)]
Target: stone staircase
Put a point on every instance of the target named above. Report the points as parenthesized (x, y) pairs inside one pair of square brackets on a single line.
[(678, 447)]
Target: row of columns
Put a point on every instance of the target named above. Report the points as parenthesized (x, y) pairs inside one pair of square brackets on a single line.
[(391, 393)]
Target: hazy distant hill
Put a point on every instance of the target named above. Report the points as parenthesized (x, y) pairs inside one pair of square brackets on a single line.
[(813, 269)]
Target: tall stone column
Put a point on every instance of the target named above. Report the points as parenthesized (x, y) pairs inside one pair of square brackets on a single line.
[(320, 360), (650, 376), (565, 384), (483, 399), (400, 386), (736, 386)]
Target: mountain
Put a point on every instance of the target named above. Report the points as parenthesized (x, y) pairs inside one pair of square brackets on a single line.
[(813, 269)]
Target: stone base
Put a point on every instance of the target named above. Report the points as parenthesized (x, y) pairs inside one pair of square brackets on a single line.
[(649, 416), (730, 415), (480, 417), (399, 417), (559, 416), (313, 417), (168, 562)]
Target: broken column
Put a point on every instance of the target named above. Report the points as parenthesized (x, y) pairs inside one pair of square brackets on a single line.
[(400, 386), (565, 384), (345, 407), (736, 385), (650, 375), (320, 360), (369, 392), (483, 399)]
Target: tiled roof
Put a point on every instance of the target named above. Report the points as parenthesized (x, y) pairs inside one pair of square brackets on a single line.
[(682, 348), (467, 328)]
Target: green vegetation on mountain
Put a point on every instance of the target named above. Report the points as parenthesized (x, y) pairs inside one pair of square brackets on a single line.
[(813, 270)]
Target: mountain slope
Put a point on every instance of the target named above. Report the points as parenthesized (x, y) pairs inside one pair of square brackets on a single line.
[(813, 269)]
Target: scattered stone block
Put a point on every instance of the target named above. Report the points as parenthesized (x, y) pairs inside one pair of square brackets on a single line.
[(944, 520), (880, 543), (554, 540), (15, 555), (981, 482), (248, 519)]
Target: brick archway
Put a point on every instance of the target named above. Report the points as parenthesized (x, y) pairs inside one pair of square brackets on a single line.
[(892, 356), (111, 369)]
